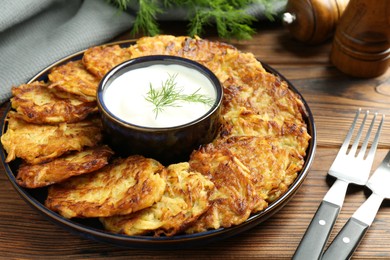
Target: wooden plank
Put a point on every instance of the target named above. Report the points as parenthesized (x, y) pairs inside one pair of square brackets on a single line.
[(333, 99)]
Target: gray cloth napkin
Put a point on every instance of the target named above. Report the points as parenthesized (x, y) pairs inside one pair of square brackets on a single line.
[(36, 33)]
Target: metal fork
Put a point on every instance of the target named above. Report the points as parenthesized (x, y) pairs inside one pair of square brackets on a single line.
[(347, 168)]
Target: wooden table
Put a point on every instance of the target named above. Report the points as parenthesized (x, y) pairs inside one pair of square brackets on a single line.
[(333, 98)]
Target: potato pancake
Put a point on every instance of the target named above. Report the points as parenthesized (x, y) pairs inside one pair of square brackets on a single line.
[(273, 166), (234, 197), (243, 122), (157, 45), (42, 143), (265, 95), (186, 197), (72, 77), (100, 59), (37, 104), (125, 186), (60, 169)]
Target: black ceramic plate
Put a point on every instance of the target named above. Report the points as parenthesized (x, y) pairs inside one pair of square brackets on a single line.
[(92, 229)]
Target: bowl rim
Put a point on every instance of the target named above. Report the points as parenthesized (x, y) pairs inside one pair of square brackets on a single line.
[(149, 60), (162, 243)]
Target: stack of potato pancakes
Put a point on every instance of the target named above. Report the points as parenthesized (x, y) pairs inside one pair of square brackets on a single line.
[(55, 131)]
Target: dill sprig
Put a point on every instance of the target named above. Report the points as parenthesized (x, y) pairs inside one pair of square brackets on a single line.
[(228, 16), (168, 96)]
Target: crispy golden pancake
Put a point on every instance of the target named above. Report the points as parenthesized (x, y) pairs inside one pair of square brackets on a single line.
[(100, 59), (42, 143), (263, 105), (186, 197), (60, 169), (35, 103), (233, 64), (264, 94), (244, 122), (157, 45), (73, 78), (273, 165), (234, 197), (123, 187)]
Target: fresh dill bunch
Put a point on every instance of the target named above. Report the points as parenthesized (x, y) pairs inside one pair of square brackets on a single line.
[(146, 17), (228, 16), (230, 19), (168, 96)]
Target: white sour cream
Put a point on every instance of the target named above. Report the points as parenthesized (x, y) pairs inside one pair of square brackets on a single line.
[(125, 96)]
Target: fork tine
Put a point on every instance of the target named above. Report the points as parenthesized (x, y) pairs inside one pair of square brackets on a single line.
[(365, 143), (345, 145), (374, 145), (359, 135)]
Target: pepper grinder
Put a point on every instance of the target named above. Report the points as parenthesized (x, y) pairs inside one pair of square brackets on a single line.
[(313, 21), (361, 44)]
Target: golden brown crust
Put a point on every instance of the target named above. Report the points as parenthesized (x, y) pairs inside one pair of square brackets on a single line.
[(42, 143), (244, 122), (262, 105), (100, 59), (263, 95), (125, 186), (72, 77), (272, 164), (157, 45), (37, 104), (234, 197), (186, 197), (60, 169)]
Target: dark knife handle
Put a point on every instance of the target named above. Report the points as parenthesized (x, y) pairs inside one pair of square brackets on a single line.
[(347, 240), (317, 234)]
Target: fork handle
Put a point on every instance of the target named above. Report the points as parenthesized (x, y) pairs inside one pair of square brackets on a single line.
[(347, 240), (317, 234)]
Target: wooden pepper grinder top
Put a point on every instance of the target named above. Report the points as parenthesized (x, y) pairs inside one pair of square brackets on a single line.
[(313, 21), (361, 44)]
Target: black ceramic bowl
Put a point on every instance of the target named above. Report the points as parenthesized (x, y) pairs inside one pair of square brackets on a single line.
[(167, 144)]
